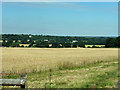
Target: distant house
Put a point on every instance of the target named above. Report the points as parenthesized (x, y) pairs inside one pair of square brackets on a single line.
[(24, 45), (30, 36), (74, 41), (46, 40)]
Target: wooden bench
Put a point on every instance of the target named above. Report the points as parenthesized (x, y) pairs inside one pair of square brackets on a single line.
[(15, 82)]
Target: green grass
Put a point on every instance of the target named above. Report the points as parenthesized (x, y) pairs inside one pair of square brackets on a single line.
[(103, 80), (98, 75)]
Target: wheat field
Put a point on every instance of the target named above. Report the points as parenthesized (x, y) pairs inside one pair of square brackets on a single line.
[(29, 60)]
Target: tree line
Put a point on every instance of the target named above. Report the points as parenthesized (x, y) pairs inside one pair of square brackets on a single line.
[(46, 41), (113, 42)]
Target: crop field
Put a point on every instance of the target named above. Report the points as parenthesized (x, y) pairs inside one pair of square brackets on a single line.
[(71, 67)]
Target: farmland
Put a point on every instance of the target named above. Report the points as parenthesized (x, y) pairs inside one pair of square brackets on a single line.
[(71, 67)]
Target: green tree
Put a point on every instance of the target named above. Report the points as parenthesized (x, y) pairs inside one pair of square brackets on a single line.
[(42, 44), (81, 44), (14, 45), (67, 45), (110, 42)]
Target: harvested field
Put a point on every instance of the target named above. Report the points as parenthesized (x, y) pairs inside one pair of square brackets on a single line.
[(27, 60)]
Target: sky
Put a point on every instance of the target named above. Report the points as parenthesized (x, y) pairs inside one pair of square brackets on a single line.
[(60, 18)]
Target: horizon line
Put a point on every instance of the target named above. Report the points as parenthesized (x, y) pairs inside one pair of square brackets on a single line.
[(64, 35)]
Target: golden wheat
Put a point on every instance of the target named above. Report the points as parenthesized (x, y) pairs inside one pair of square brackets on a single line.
[(27, 60)]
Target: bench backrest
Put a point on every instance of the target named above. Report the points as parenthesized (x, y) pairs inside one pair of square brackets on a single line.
[(14, 82)]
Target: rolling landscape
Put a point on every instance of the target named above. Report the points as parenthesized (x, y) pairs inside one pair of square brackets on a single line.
[(59, 45), (71, 67)]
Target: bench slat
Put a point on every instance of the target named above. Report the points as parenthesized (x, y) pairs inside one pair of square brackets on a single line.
[(12, 81)]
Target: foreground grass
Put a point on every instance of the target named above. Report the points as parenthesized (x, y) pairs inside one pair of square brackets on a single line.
[(97, 75)]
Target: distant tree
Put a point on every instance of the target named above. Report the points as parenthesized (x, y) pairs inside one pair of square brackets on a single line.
[(31, 44), (81, 44), (14, 45), (55, 45), (117, 41), (0, 44), (5, 44), (67, 45), (75, 44), (110, 42), (55, 40), (42, 44)]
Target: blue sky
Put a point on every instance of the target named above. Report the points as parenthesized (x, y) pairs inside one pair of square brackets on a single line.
[(61, 18)]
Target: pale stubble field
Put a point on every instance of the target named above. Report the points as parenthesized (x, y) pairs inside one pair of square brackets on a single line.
[(28, 60)]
